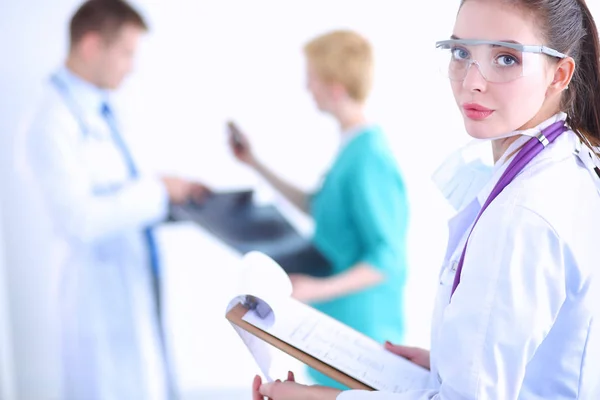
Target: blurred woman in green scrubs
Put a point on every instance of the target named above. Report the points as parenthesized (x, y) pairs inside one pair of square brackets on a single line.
[(361, 210)]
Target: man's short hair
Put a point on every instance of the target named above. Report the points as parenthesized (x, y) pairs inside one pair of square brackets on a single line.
[(105, 17), (343, 57)]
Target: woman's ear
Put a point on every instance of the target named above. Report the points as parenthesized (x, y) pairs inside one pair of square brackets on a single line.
[(562, 75), (338, 91), (90, 45)]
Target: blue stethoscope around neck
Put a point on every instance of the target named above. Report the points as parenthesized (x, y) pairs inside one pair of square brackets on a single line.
[(63, 89)]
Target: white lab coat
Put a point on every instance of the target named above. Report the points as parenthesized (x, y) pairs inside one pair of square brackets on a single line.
[(522, 324), (109, 325)]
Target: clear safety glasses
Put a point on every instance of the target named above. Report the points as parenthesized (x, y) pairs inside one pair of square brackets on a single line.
[(498, 62)]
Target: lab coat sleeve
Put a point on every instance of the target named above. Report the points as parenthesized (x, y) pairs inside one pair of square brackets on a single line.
[(379, 211), (512, 288), (66, 187)]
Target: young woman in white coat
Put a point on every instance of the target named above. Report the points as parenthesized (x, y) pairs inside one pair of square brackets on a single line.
[(519, 298)]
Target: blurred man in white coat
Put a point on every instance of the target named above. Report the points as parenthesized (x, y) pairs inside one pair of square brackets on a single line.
[(104, 207)]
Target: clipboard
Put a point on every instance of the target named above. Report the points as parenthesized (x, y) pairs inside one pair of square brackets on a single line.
[(235, 316), (267, 318)]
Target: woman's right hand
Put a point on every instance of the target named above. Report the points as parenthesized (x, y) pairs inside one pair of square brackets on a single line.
[(414, 354), (239, 144)]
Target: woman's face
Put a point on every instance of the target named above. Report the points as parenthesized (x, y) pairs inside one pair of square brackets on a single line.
[(492, 109)]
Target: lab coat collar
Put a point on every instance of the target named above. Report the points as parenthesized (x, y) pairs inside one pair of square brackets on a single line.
[(89, 97), (504, 161)]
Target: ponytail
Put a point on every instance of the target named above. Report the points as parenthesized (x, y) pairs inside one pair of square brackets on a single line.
[(582, 102)]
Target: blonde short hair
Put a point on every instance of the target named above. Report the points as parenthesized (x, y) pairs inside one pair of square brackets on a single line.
[(343, 57)]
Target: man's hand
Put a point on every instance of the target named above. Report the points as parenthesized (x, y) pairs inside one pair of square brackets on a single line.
[(199, 192), (182, 190)]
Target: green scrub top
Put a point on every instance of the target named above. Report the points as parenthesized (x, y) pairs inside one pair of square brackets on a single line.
[(361, 216)]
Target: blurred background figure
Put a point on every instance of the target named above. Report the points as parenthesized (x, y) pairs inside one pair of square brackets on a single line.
[(104, 207), (361, 209)]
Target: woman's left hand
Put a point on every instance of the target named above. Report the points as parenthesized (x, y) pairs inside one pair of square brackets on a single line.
[(290, 390), (306, 288)]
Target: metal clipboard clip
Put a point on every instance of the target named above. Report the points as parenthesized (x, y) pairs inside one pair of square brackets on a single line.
[(259, 306)]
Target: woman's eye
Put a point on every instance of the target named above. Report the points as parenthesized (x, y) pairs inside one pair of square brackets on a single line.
[(507, 61), (459, 54)]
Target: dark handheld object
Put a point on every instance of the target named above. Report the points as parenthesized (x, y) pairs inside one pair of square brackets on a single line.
[(236, 135)]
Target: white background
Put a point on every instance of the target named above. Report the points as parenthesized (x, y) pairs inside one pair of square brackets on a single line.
[(204, 62)]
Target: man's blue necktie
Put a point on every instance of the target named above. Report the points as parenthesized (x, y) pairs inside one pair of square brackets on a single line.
[(133, 174)]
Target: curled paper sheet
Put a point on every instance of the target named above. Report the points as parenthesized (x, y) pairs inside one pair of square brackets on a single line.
[(263, 285)]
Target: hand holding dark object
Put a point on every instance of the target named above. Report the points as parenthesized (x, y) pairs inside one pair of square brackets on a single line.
[(239, 144)]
